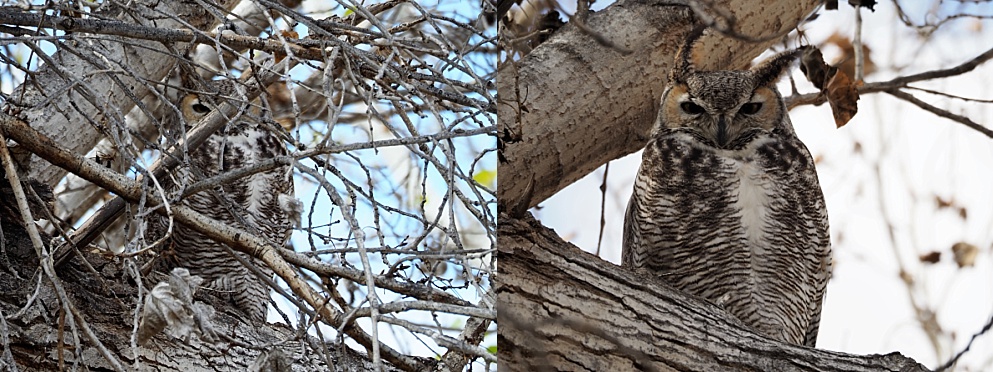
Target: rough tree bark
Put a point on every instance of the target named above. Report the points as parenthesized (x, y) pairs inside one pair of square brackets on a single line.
[(76, 107), (572, 105), (76, 114), (38, 337), (565, 309), (567, 108)]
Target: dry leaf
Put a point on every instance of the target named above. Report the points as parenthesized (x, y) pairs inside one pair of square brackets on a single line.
[(812, 65), (965, 254), (931, 257), (843, 95), (943, 203), (846, 61), (170, 307)]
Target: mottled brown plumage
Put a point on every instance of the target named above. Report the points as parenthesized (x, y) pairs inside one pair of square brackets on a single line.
[(726, 204), (262, 203)]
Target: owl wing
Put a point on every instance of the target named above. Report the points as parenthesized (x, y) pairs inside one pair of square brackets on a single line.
[(632, 254), (636, 253), (803, 190)]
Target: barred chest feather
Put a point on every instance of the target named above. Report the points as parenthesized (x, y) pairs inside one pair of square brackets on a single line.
[(754, 191), (746, 229)]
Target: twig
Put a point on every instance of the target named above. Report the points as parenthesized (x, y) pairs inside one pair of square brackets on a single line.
[(603, 204), (899, 82), (45, 260), (951, 362), (236, 238), (941, 112), (943, 94), (936, 74), (857, 44), (400, 306), (472, 333), (443, 340)]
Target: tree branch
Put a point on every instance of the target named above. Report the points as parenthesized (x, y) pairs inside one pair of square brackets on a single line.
[(234, 237), (941, 112), (893, 87), (594, 104), (564, 308)]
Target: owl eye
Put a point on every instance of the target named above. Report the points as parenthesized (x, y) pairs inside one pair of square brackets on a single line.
[(200, 108), (691, 108), (750, 108)]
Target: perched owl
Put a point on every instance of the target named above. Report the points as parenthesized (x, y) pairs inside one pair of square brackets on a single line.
[(726, 204), (262, 203)]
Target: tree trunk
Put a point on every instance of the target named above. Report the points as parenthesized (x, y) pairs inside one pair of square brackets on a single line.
[(564, 309), (572, 104), (33, 326), (76, 106)]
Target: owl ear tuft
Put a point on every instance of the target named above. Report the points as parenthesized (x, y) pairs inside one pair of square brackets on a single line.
[(683, 65), (770, 70)]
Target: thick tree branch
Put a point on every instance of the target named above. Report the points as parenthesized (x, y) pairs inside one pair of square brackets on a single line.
[(81, 93), (563, 308), (236, 238), (573, 104)]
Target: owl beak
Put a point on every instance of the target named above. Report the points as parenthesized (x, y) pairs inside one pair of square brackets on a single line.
[(722, 131)]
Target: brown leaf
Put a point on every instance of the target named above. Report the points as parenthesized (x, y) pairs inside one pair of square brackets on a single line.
[(846, 60), (965, 254), (813, 66), (289, 35), (931, 257), (843, 96), (943, 203), (863, 3)]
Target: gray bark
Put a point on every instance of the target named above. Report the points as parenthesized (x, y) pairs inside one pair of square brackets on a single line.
[(74, 105), (572, 105), (564, 309), (582, 104), (103, 291), (80, 96)]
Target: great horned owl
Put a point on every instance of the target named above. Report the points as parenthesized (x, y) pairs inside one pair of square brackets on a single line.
[(261, 203), (726, 204)]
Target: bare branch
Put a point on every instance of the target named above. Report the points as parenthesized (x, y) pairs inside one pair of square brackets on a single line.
[(234, 237), (941, 112)]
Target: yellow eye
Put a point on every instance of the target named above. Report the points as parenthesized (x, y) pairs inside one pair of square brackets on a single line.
[(750, 108), (691, 108)]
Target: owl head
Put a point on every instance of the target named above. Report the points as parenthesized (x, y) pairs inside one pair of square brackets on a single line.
[(724, 109), (197, 105)]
